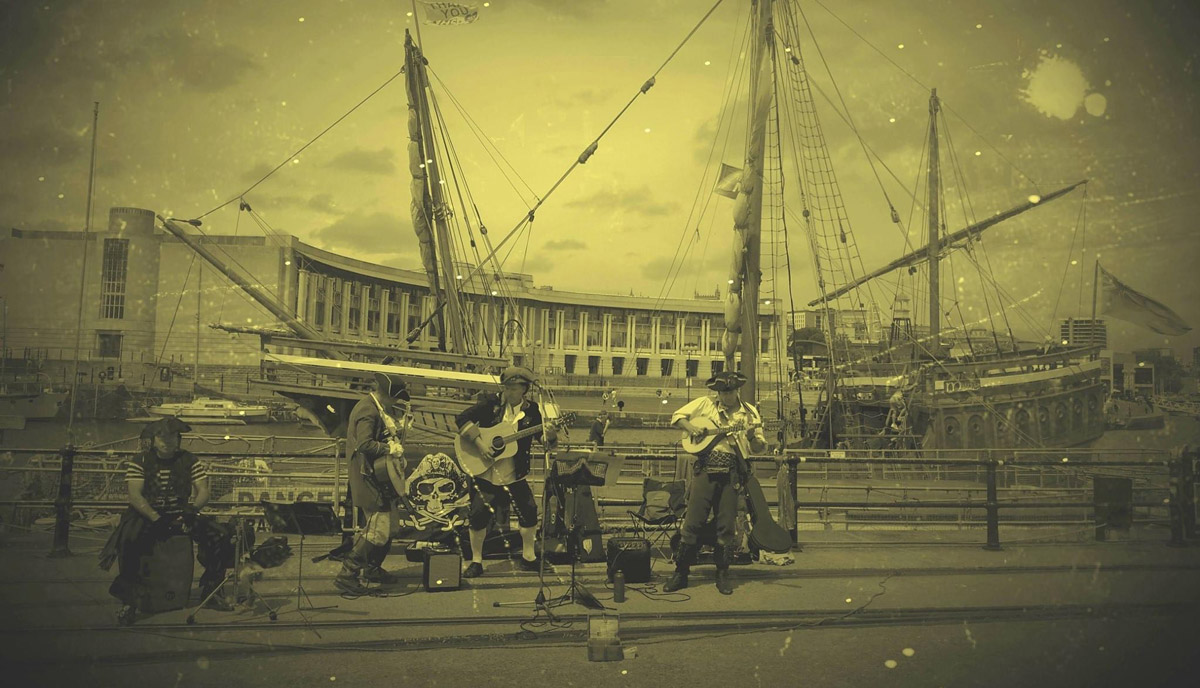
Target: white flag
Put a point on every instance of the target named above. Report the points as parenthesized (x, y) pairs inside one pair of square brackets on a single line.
[(449, 13)]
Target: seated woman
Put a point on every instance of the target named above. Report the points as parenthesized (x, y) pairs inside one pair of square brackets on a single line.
[(167, 486)]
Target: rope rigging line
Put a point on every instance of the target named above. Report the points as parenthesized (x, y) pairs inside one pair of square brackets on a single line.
[(306, 145), (584, 156), (733, 81), (927, 90)]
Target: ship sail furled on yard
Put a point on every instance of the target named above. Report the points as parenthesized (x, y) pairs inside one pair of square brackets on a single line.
[(916, 385)]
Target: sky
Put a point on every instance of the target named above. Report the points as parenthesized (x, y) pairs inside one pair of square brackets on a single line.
[(198, 100)]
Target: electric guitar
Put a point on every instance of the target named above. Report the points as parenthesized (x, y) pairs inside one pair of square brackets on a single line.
[(765, 533), (502, 439)]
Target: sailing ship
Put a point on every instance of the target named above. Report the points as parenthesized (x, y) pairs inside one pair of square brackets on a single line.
[(206, 410), (913, 389)]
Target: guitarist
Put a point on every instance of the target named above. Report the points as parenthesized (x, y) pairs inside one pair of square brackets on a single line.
[(368, 439), (505, 483), (716, 478)]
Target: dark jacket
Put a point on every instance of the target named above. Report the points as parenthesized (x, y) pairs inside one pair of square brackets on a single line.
[(365, 432), (489, 411)]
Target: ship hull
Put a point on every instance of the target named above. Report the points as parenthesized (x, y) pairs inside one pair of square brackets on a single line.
[(33, 406)]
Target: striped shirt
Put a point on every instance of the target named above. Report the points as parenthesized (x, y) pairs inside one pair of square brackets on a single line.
[(135, 470)]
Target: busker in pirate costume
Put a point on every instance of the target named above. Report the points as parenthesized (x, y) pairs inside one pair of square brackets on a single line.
[(167, 487), (716, 480), (368, 439), (505, 482)]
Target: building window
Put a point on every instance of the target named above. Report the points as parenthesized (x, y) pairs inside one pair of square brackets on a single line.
[(552, 329), (109, 345), (618, 365), (373, 308), (716, 330), (414, 312), (666, 332), (335, 317), (595, 329), (569, 364), (643, 365), (668, 365), (320, 301), (393, 314), (717, 366), (593, 365), (643, 331), (691, 332), (618, 335), (693, 367), (570, 333), (355, 309), (112, 279)]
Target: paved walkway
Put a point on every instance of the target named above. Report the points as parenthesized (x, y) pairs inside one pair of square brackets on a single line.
[(889, 587)]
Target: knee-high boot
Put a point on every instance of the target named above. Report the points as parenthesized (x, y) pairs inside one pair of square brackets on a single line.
[(358, 557), (374, 572), (722, 556), (683, 566)]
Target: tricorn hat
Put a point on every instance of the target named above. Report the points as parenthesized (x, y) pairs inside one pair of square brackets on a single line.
[(164, 426), (518, 373), (392, 386), (726, 381)]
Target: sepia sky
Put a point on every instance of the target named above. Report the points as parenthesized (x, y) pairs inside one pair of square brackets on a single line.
[(199, 99)]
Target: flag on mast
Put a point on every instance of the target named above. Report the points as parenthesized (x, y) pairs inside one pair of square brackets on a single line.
[(449, 13), (728, 180), (1120, 301)]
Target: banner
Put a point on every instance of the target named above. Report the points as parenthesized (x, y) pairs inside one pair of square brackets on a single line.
[(1119, 301), (449, 13)]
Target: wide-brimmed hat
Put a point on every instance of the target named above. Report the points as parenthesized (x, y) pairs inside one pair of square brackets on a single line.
[(392, 386), (517, 373), (164, 426), (726, 381)]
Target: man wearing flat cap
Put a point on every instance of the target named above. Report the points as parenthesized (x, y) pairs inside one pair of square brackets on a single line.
[(167, 486), (368, 439), (504, 483), (715, 476)]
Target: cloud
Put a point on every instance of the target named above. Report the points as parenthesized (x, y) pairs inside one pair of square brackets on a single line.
[(44, 146), (323, 203), (381, 161), (640, 201), (564, 245), (198, 61), (369, 235)]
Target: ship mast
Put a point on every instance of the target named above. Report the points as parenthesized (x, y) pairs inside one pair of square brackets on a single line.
[(934, 245), (428, 202), (747, 212)]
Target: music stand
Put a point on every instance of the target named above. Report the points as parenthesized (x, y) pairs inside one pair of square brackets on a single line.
[(302, 518), (239, 556)]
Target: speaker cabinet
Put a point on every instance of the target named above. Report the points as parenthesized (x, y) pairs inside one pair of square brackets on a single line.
[(630, 556), (442, 570)]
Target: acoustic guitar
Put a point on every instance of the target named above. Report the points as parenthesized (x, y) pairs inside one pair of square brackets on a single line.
[(765, 533), (502, 439)]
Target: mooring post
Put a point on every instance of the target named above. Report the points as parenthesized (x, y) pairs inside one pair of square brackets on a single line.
[(993, 509), (62, 504), (792, 474), (1175, 501)]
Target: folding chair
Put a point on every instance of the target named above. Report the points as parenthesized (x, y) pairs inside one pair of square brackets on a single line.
[(661, 513)]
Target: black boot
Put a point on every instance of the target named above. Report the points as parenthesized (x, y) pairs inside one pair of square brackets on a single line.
[(374, 572), (348, 579), (683, 565), (722, 555)]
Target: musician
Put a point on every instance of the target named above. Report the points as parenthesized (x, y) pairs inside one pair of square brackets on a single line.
[(715, 475), (368, 439), (505, 482), (167, 487)]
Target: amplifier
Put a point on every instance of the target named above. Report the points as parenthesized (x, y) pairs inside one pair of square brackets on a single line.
[(442, 570), (630, 556)]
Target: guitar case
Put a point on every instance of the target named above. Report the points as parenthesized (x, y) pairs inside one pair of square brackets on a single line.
[(765, 533)]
